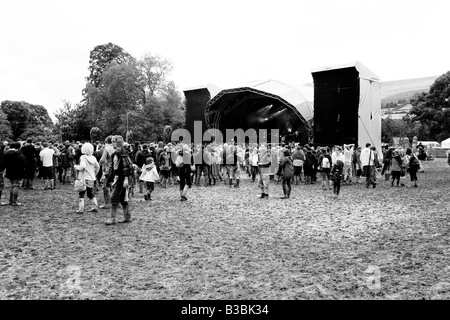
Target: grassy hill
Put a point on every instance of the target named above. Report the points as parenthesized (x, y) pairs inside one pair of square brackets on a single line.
[(392, 91)]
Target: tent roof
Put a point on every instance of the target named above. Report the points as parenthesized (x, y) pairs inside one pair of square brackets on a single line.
[(364, 72), (301, 97)]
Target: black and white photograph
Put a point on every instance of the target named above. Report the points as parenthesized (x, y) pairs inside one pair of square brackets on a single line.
[(227, 156)]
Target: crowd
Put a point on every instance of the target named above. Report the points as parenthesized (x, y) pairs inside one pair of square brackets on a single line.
[(119, 169)]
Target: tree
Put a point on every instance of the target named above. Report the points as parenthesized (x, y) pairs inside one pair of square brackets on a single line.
[(73, 121), (121, 92), (27, 119), (154, 70), (5, 127), (399, 128), (100, 58), (432, 110)]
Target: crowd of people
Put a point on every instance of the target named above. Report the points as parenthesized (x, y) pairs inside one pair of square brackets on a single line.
[(120, 169)]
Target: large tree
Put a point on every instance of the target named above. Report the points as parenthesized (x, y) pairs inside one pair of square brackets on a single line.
[(27, 119), (432, 110), (72, 121), (101, 57), (5, 127)]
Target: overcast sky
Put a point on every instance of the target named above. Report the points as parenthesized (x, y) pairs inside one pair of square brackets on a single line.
[(45, 45)]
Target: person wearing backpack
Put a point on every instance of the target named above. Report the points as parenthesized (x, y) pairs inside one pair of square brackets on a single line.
[(298, 158), (325, 168), (414, 166), (120, 174), (165, 163), (286, 172)]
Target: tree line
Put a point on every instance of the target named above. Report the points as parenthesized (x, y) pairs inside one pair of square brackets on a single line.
[(123, 95)]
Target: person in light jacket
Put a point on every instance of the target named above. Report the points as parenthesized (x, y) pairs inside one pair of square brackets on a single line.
[(87, 171), (149, 176)]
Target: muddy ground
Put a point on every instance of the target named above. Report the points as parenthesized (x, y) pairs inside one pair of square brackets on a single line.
[(382, 243)]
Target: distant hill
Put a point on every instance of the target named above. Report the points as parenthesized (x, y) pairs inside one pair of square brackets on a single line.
[(392, 91)]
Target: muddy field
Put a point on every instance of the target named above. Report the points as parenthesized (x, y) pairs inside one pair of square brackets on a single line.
[(383, 243)]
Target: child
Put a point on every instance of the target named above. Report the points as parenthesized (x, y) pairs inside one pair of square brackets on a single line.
[(336, 173), (149, 176), (89, 169)]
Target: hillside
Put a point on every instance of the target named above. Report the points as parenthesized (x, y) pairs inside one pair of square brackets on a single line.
[(392, 91)]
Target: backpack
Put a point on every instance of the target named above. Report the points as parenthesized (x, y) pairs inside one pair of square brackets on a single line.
[(127, 164), (414, 162), (325, 163)]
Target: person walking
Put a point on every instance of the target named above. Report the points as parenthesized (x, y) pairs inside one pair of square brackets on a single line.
[(14, 164), (87, 172), (149, 176), (140, 161)]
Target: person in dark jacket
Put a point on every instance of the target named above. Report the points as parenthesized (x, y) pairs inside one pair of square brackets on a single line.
[(15, 164), (120, 174), (286, 171), (29, 151), (336, 174)]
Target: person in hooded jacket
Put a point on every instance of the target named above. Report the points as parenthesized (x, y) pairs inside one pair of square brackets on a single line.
[(88, 169), (15, 164), (141, 160)]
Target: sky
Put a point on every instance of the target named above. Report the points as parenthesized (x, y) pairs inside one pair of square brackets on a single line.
[(45, 44)]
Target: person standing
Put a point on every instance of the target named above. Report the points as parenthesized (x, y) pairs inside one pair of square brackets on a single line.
[(368, 164), (120, 174), (413, 166), (253, 161), (348, 155), (397, 165), (165, 164), (298, 157), (325, 168), (336, 173), (29, 152), (46, 156), (66, 163), (105, 163), (184, 163), (15, 165), (264, 164), (286, 172), (88, 169)]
